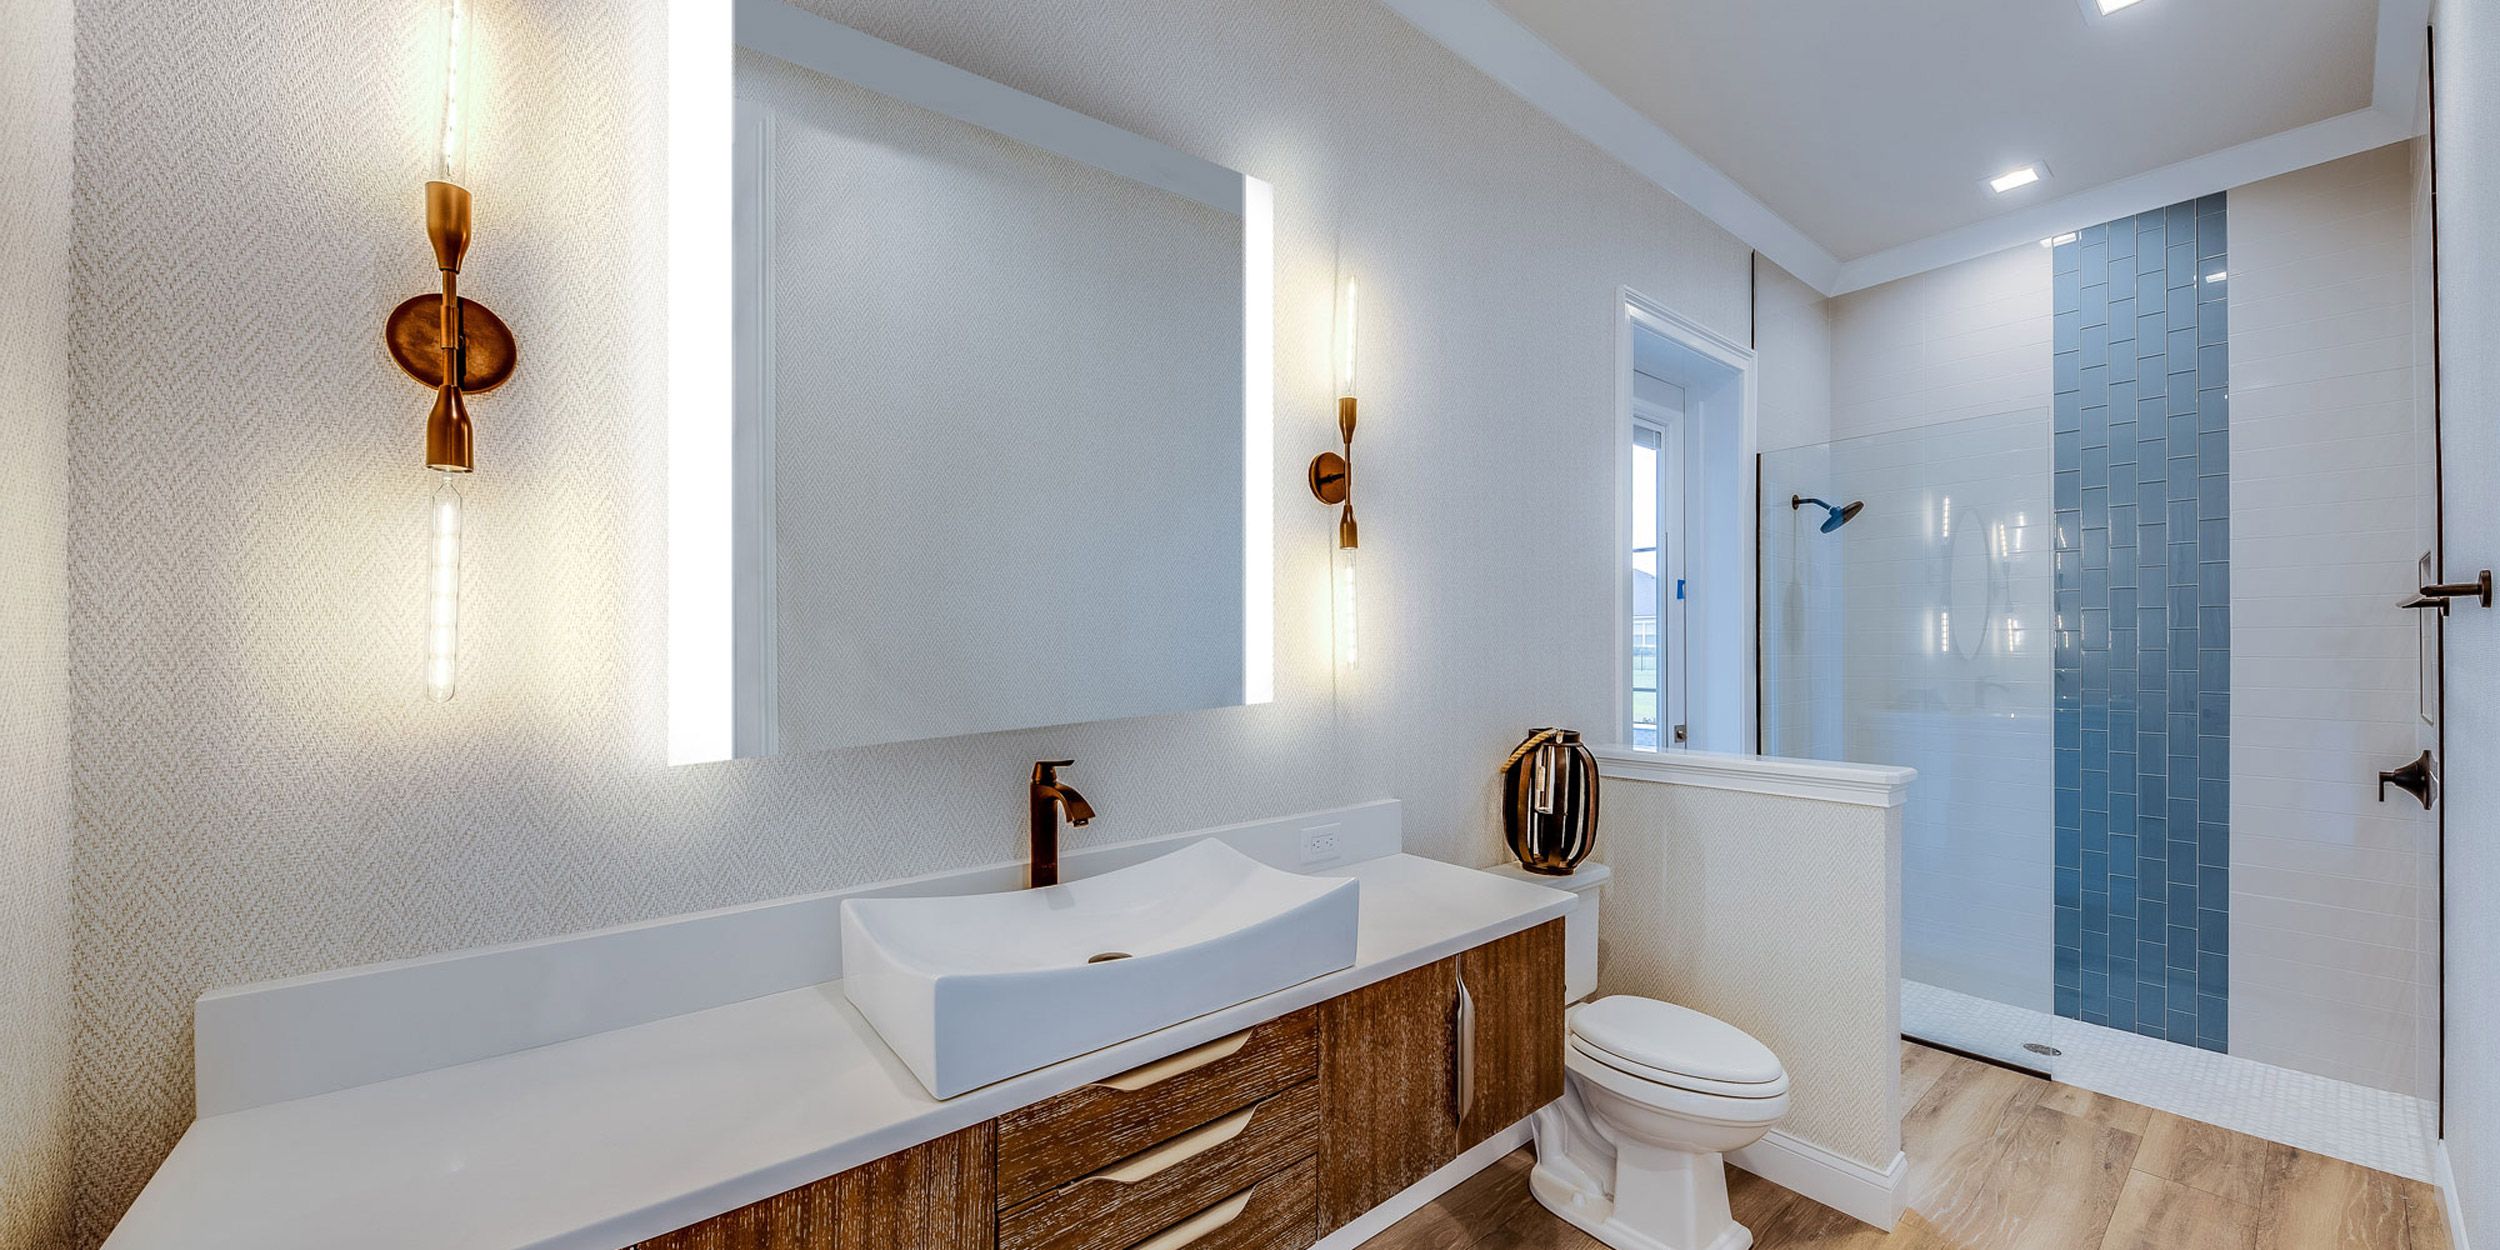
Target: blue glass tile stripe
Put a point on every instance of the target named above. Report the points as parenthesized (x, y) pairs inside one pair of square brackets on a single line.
[(2141, 491)]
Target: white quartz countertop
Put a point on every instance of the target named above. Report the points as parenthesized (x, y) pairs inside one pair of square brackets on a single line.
[(602, 1141)]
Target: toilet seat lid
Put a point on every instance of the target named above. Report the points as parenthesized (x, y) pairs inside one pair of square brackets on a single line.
[(1674, 1039)]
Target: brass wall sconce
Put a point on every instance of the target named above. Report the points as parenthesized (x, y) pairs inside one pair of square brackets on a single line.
[(1332, 481), (452, 344)]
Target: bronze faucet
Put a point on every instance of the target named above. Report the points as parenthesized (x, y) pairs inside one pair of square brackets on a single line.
[(1049, 796)]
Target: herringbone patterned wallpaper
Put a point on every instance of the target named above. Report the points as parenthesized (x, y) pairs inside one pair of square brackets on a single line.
[(34, 611), (262, 789)]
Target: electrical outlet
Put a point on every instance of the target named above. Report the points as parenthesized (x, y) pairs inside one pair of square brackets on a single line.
[(1319, 843)]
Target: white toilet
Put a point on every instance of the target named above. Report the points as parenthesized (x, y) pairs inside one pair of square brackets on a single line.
[(1653, 1095)]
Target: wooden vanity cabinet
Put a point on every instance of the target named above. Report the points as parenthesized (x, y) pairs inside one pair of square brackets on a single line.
[(1418, 1069), (1264, 1140), (1516, 986), (1388, 1088)]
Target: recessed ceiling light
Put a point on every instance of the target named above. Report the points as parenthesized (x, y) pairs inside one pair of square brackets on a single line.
[(2013, 178), (2108, 7), (2061, 240)]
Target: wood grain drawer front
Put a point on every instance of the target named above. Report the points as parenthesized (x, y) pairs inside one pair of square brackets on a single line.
[(934, 1196), (1133, 1199), (1060, 1139), (1279, 1213)]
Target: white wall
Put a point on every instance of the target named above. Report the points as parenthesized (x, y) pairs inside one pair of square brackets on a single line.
[(1778, 915), (1793, 342), (1967, 340), (35, 910), (2468, 106), (263, 789), (2334, 913)]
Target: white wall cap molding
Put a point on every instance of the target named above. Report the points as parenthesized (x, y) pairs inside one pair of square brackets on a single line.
[(1865, 785)]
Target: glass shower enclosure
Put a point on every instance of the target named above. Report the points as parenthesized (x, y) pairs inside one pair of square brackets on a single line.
[(1919, 632)]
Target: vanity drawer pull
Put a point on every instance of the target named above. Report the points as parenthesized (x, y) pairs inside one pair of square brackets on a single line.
[(1279, 1213), (1188, 1231), (1146, 1075), (1117, 1206), (1179, 1150), (1057, 1140)]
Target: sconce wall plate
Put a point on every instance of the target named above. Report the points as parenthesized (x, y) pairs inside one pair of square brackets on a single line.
[(413, 334), (1328, 477), (1331, 474)]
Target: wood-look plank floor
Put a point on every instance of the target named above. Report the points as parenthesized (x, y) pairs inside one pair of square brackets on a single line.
[(2002, 1161)]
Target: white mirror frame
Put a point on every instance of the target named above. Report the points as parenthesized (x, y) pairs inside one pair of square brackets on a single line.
[(702, 460)]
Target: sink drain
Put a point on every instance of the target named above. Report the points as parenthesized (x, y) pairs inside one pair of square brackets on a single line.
[(2042, 1048), (1107, 957)]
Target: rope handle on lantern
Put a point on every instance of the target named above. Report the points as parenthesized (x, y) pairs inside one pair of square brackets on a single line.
[(1536, 739)]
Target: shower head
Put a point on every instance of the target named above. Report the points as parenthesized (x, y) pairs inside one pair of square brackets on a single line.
[(1834, 517)]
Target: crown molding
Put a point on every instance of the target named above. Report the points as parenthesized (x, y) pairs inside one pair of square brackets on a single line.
[(2314, 144), (1493, 41), (1512, 55)]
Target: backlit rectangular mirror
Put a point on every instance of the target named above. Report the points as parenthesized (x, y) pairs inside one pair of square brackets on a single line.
[(970, 424)]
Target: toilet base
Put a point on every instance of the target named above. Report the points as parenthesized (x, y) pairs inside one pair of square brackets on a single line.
[(1595, 1215), (1630, 1195)]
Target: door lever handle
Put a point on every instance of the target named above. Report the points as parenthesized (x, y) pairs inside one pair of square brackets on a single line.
[(2413, 779)]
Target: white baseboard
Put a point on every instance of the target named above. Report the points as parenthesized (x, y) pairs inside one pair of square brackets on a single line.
[(1845, 1185), (2444, 1175), (1411, 1199)]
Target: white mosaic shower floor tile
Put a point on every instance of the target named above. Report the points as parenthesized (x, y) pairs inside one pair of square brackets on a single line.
[(2371, 1127)]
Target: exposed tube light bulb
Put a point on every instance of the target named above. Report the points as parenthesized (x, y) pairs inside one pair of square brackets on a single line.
[(1342, 576), (442, 589), (451, 149), (1346, 327)]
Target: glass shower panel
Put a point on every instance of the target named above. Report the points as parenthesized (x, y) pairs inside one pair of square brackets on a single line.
[(1919, 633)]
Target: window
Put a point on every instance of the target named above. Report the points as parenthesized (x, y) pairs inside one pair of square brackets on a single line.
[(1655, 587)]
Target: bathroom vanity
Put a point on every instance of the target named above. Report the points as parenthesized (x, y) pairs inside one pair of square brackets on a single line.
[(1265, 1139), (704, 1080)]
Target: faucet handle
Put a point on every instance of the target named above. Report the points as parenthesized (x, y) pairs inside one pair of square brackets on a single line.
[(1048, 770)]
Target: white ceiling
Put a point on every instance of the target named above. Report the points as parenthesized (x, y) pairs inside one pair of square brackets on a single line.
[(1849, 140)]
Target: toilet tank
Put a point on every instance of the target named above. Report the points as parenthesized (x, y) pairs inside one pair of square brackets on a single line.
[(1579, 924)]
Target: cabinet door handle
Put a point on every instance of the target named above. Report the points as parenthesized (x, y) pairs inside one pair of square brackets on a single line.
[(1466, 1049), (1194, 1229), (1170, 1066), (1179, 1150)]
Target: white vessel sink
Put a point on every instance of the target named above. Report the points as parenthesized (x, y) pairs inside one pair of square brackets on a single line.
[(976, 988)]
